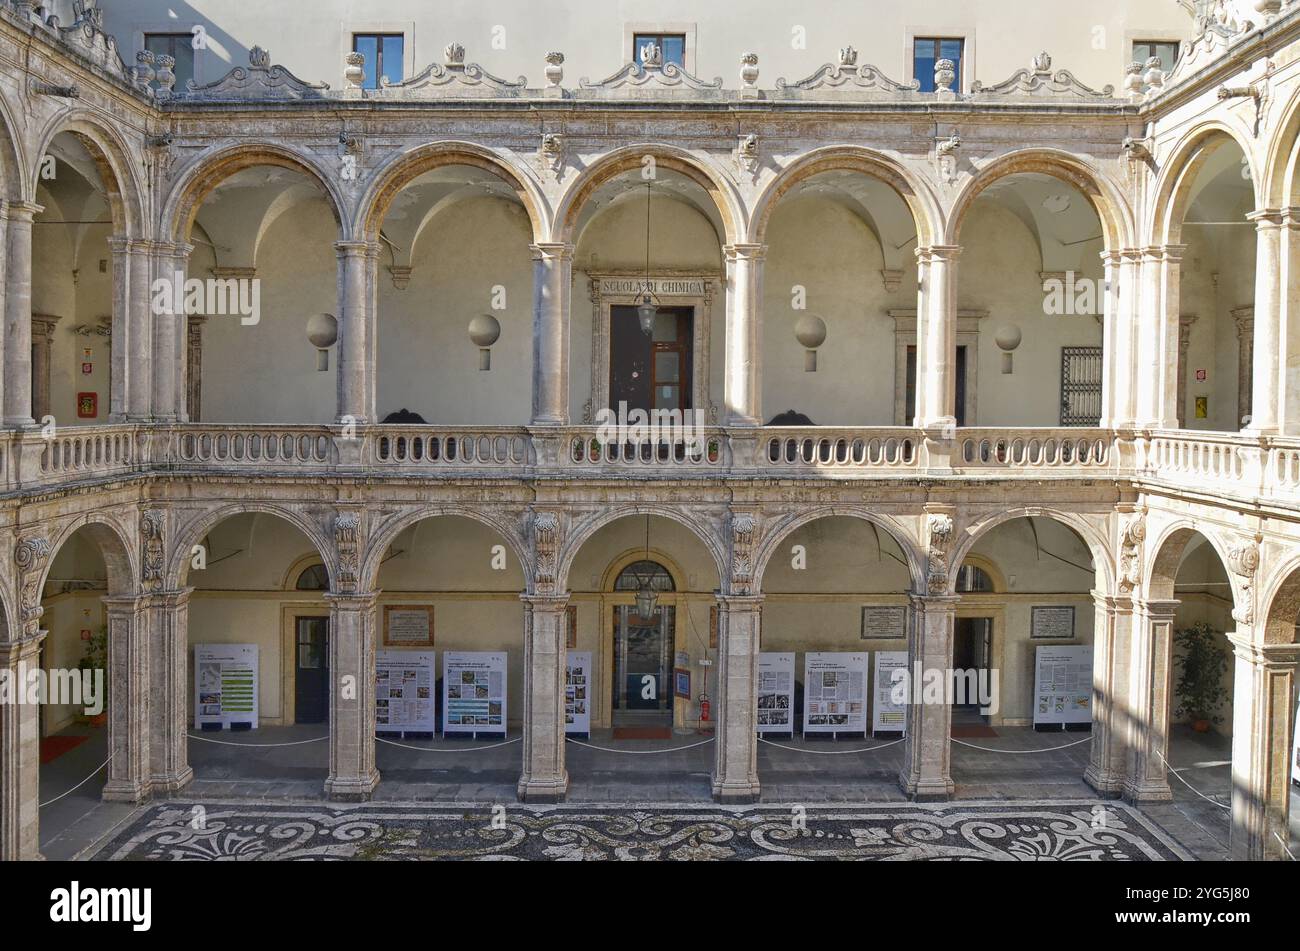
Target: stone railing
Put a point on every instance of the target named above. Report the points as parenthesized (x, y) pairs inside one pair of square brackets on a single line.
[(454, 447), (1065, 450), (33, 458), (257, 447), (822, 448), (1240, 465), (584, 450)]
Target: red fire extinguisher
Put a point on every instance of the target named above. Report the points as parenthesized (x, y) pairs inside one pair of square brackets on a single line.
[(704, 708)]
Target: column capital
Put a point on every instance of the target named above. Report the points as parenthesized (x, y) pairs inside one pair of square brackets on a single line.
[(1170, 253), (1273, 656), (551, 250), (545, 602), (356, 248), (1266, 219), (126, 602), (938, 252), (744, 601), (1115, 604), (21, 647), (21, 210), (751, 252), (127, 244), (943, 602), (1158, 609), (351, 600), (178, 249)]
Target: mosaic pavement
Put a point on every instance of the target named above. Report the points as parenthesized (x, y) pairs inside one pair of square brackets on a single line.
[(1084, 830)]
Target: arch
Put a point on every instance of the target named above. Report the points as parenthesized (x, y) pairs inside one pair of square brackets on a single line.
[(791, 523), (1282, 605), (718, 186), (13, 168), (1107, 200), (390, 178), (1167, 556), (1281, 188), (1102, 562), (990, 568), (626, 559), (384, 536), (192, 533), (583, 532), (117, 171), (926, 213), (209, 170), (113, 546), (1178, 175)]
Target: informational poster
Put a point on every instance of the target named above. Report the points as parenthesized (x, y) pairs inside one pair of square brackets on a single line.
[(776, 692), (404, 692), (474, 692), (835, 692), (1063, 684), (1051, 621), (225, 685), (1295, 755), (577, 692), (886, 715), (884, 623)]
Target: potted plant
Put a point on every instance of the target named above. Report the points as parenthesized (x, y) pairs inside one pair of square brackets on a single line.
[(96, 658), (1201, 663)]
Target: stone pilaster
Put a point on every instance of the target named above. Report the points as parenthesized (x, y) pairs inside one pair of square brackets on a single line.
[(1111, 646), (936, 337), (552, 283), (743, 385), (1263, 723), (357, 265), (926, 775), (544, 777), (129, 700), (1184, 344), (1288, 344), (168, 615), (42, 353), (735, 770), (1150, 691), (20, 755), (194, 367), (1266, 373), (352, 776), (170, 341), (1244, 319), (1158, 330), (18, 313)]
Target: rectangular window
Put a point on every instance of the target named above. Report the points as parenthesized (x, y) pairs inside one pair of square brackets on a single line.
[(1166, 50), (179, 46), (672, 47), (1081, 386), (384, 53), (927, 51)]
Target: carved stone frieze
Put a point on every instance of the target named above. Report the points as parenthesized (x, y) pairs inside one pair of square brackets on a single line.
[(939, 529), (152, 549), (259, 80), (347, 542)]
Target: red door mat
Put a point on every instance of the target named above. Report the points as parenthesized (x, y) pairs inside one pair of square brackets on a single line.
[(643, 733), (52, 747), (967, 730)]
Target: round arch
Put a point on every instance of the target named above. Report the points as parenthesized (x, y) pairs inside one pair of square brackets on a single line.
[(1102, 563), (1107, 201), (585, 530), (720, 190), (110, 540), (1282, 605), (209, 170), (1173, 191), (792, 523), (192, 533), (926, 213), (111, 156), (1168, 554), (1281, 188), (13, 168), (390, 178), (387, 533), (625, 559)]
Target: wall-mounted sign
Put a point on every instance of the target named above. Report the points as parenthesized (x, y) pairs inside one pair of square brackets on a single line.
[(1063, 684), (225, 685), (87, 405), (87, 369), (404, 685), (681, 683), (835, 692), (883, 622), (1201, 375), (776, 692), (1202, 407), (659, 287), (886, 715), (474, 692), (408, 625), (1052, 621), (577, 692)]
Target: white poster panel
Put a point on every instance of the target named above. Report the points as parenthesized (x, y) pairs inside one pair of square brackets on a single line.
[(474, 692), (404, 691), (835, 692), (1295, 754), (776, 692), (577, 692), (1063, 684), (225, 684), (886, 715)]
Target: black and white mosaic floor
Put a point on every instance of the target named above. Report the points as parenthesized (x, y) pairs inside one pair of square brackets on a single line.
[(1021, 831)]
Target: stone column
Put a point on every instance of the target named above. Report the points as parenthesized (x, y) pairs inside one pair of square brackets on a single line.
[(194, 367), (1266, 375), (927, 751), (1263, 723), (1184, 344), (42, 351), (1111, 648), (744, 344), (169, 336), (20, 755), (356, 279), (1113, 378), (1244, 318), (1150, 690), (168, 613), (735, 769), (1288, 346), (544, 777), (353, 776), (1120, 354), (936, 337), (131, 365), (1157, 372), (18, 314), (552, 284), (129, 700)]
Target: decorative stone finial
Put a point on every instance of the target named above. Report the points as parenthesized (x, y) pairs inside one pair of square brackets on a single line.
[(554, 68), (454, 54), (652, 57), (848, 56), (749, 69), (354, 73)]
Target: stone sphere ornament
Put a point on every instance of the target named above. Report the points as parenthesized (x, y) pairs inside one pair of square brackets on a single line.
[(484, 330), (1007, 338), (323, 332), (810, 331)]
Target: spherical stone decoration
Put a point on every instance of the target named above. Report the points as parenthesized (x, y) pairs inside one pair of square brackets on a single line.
[(1008, 337), (810, 331), (484, 330), (322, 330)]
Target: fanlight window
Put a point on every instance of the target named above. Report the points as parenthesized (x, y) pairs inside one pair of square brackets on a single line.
[(631, 577), (313, 578), (973, 579)]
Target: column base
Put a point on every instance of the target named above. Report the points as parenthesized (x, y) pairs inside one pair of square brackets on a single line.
[(165, 784), (544, 790), (741, 794), (927, 790), (357, 789), (126, 790), (1105, 785), (1150, 791)]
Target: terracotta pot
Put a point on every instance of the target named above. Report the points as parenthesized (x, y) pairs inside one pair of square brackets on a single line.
[(1201, 726)]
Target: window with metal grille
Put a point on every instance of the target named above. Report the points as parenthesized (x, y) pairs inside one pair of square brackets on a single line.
[(1080, 386)]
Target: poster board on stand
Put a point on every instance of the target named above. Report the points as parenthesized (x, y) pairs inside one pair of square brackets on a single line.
[(225, 686), (404, 692), (776, 692), (835, 692), (577, 692), (1062, 685), (886, 715), (1295, 753), (474, 692)]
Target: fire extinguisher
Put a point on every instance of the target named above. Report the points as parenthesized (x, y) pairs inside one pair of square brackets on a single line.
[(704, 708)]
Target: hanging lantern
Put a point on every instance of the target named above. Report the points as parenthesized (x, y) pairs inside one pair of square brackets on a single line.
[(646, 312), (647, 600)]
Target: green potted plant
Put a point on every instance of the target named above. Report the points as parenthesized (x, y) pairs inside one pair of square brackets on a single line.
[(96, 658), (1201, 663)]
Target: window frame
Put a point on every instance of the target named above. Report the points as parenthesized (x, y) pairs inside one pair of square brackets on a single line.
[(1141, 41), (350, 29), (178, 28), (964, 33), (627, 52), (379, 55), (176, 37)]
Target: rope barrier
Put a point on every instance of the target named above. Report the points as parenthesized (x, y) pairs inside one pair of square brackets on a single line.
[(606, 749), (865, 749), (205, 739), (1050, 749), (1189, 785), (51, 802), (434, 749), (1285, 849)]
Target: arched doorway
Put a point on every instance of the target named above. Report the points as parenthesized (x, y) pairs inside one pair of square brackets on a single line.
[(644, 635)]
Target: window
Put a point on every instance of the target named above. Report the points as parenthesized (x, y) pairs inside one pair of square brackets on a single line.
[(383, 53), (972, 579), (928, 50), (179, 46), (314, 578), (672, 46), (1081, 386), (909, 393), (1166, 50)]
